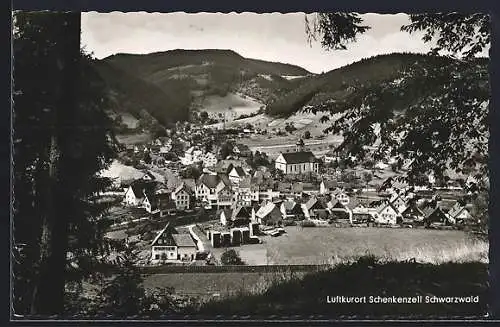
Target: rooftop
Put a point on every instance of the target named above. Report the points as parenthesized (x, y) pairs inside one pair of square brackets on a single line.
[(183, 240), (299, 157)]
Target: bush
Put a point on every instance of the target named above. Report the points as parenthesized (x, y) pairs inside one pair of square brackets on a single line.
[(231, 257)]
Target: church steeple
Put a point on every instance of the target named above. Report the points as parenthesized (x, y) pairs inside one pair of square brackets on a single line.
[(299, 146)]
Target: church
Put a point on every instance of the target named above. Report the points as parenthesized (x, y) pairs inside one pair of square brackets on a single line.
[(298, 162)]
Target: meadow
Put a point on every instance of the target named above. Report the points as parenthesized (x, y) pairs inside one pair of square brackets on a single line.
[(330, 245)]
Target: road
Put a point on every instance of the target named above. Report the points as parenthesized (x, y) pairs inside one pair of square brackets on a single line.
[(202, 241)]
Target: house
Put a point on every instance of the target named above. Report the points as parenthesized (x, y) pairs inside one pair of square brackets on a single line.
[(136, 192), (339, 210), (435, 216), (157, 202), (242, 150), (341, 196), (245, 192), (412, 214), (236, 174), (192, 155), (300, 188), (387, 214), (398, 202), (148, 176), (236, 216), (297, 163), (182, 197), (327, 187), (225, 197), (459, 214), (214, 190), (186, 246), (166, 244), (269, 214), (209, 160), (314, 207), (292, 210)]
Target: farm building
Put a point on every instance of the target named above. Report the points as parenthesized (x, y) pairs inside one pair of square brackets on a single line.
[(235, 216), (269, 214)]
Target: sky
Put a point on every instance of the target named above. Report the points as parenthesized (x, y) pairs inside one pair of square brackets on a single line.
[(273, 37)]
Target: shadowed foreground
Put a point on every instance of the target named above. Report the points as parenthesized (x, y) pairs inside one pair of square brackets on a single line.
[(307, 297)]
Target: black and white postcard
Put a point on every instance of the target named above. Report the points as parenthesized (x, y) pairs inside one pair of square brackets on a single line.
[(227, 166)]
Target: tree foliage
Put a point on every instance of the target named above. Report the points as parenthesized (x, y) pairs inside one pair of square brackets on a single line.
[(435, 116)]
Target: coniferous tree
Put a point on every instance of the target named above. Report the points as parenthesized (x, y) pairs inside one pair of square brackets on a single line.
[(61, 140)]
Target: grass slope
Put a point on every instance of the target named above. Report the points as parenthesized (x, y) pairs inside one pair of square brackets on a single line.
[(306, 297)]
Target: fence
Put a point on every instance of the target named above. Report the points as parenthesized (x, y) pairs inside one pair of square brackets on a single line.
[(231, 269)]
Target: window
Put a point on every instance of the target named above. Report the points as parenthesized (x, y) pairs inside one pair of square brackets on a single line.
[(157, 256)]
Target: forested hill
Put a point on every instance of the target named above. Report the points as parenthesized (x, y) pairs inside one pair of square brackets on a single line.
[(337, 84), (170, 84)]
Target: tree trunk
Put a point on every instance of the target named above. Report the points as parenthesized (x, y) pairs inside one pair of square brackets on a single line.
[(48, 297)]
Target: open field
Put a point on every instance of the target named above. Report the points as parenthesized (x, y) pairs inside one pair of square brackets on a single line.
[(239, 104), (330, 245), (133, 139)]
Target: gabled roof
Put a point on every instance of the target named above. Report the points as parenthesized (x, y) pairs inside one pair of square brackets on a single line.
[(265, 210), (413, 209), (377, 203), (299, 157), (141, 187), (335, 204), (181, 187), (149, 175), (166, 229), (289, 205), (239, 171), (428, 211), (211, 181), (383, 206), (315, 203), (241, 212), (354, 202), (329, 184), (189, 183), (183, 240), (456, 210)]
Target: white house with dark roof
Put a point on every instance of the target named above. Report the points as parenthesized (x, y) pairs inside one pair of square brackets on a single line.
[(182, 197), (236, 174), (214, 190), (136, 192), (297, 163), (156, 202), (170, 246)]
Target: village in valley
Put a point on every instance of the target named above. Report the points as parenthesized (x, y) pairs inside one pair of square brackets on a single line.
[(187, 196)]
